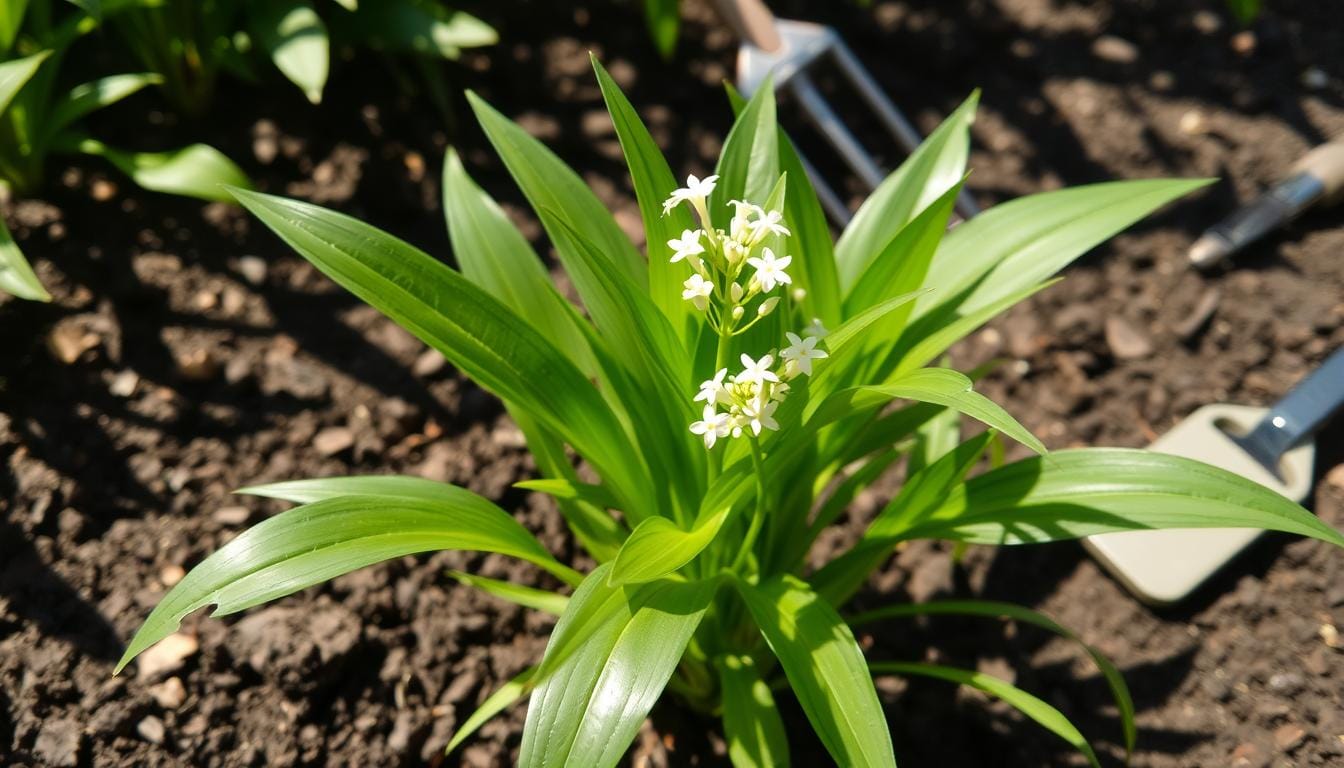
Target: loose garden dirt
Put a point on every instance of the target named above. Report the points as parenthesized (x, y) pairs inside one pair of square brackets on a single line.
[(189, 353)]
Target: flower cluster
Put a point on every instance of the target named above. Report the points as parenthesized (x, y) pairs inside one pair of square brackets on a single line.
[(719, 260), (745, 402)]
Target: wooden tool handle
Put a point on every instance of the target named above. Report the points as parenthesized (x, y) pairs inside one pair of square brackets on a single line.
[(752, 22), (1326, 164)]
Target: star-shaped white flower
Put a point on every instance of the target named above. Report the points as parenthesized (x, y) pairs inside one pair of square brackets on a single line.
[(695, 192), (711, 426), (767, 222), (697, 291), (770, 270), (688, 245), (756, 371), (801, 352), (740, 228), (760, 415), (815, 328), (713, 390)]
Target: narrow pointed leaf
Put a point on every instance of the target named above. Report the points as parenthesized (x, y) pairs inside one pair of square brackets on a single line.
[(1047, 716), (994, 609), (497, 702), (16, 275), (472, 329), (931, 335), (608, 660), (528, 597), (654, 182), (387, 486), (749, 164), (94, 95), (664, 20), (416, 26), (197, 170), (566, 489), (1082, 492), (658, 547), (926, 174), (751, 723), (825, 668), (292, 33), (316, 542), (16, 73)]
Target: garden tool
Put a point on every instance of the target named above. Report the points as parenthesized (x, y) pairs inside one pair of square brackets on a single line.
[(1271, 446), (787, 49), (1316, 179)]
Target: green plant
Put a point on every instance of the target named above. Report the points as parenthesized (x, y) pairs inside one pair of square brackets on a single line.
[(707, 505), (39, 117), (189, 42)]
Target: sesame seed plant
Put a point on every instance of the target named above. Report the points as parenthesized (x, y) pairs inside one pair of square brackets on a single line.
[(711, 411)]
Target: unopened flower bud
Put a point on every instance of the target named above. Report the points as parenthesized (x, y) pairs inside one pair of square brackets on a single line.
[(738, 312), (735, 292), (767, 306), (799, 294)]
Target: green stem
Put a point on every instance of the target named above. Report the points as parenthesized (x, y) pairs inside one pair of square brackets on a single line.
[(758, 515)]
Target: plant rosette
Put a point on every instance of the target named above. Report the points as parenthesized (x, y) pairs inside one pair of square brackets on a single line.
[(732, 393)]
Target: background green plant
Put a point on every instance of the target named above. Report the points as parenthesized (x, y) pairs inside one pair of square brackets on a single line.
[(701, 586), (40, 115)]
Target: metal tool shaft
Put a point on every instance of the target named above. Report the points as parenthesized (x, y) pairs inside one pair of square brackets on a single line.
[(1298, 415)]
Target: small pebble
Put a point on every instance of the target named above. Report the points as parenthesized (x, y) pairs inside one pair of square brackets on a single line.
[(1126, 341), (102, 190), (151, 729), (1243, 43), (1329, 635), (67, 342), (124, 384), (429, 363), (232, 515), (170, 693), (1115, 49), (171, 574), (1199, 317), (197, 365), (1193, 123), (166, 655), (1289, 736), (253, 268), (333, 440)]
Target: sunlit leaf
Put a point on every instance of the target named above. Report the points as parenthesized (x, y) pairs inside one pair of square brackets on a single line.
[(751, 723), (296, 39)]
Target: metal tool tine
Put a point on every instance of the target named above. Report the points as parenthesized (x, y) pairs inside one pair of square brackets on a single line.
[(821, 115), (835, 207)]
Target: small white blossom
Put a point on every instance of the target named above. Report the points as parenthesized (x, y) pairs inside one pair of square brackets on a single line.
[(733, 252), (770, 270), (695, 192), (688, 245), (801, 352), (713, 390), (735, 292), (740, 228), (697, 291), (712, 426), (756, 371), (815, 329), (760, 415), (767, 222)]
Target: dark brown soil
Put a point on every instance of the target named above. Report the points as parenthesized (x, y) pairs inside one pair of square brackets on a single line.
[(204, 369)]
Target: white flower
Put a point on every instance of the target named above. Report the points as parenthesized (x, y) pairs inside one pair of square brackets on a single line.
[(695, 192), (712, 390), (733, 252), (712, 426), (756, 371), (767, 222), (687, 245), (740, 229), (815, 329), (760, 415), (770, 270), (698, 291), (801, 352)]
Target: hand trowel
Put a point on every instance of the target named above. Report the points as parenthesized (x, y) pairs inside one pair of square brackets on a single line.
[(1271, 446)]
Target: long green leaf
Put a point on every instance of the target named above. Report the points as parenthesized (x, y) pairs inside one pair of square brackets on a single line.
[(748, 166), (493, 254), (664, 20), (657, 547), (1047, 716), (497, 702), (608, 660), (11, 19), (197, 170), (94, 95), (316, 542), (825, 668), (930, 336), (321, 488), (1082, 492), (16, 73), (994, 609), (416, 26), (941, 386), (481, 336), (1023, 242), (528, 597), (653, 183), (549, 184), (925, 175), (751, 723), (16, 275), (292, 33)]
